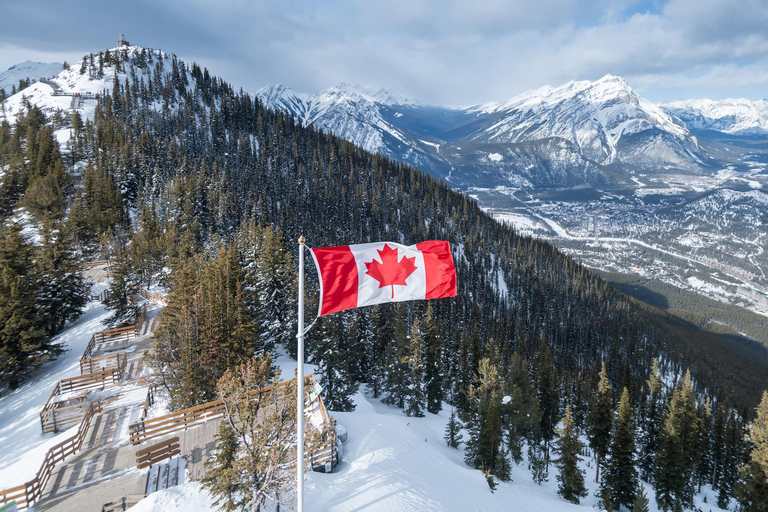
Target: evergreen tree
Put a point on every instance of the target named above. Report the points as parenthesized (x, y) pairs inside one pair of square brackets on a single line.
[(380, 344), (484, 448), (641, 503), (416, 399), (752, 489), (61, 292), (221, 477), (521, 414), (600, 420), (453, 430), (547, 392), (567, 447), (649, 438), (23, 343), (706, 461), (433, 362), (396, 362), (331, 356), (276, 285), (620, 476), (731, 459), (676, 458), (122, 287)]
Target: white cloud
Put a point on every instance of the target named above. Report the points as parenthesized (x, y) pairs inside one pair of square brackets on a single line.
[(441, 51)]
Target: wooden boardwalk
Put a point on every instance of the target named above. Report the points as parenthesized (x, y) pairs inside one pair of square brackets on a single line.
[(105, 473)]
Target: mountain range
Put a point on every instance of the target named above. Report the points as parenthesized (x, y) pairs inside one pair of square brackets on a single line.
[(580, 134)]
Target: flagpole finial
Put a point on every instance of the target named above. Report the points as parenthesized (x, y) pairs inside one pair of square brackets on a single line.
[(302, 240)]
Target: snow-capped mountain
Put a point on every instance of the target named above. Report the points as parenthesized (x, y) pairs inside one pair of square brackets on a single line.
[(349, 111), (582, 133), (28, 69), (83, 80), (606, 120), (734, 116)]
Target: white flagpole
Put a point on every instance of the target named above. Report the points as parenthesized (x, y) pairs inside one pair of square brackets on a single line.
[(300, 386)]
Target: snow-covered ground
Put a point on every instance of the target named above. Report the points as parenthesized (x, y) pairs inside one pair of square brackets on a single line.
[(22, 445), (395, 463)]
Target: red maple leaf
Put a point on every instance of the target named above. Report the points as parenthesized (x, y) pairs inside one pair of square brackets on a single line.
[(390, 271)]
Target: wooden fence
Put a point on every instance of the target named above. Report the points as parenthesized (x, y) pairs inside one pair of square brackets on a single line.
[(60, 414), (27, 494), (146, 429), (155, 453), (91, 264), (119, 334), (100, 363), (152, 297)]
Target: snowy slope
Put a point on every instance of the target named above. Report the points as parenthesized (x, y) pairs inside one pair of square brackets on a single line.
[(22, 445), (733, 116), (28, 69)]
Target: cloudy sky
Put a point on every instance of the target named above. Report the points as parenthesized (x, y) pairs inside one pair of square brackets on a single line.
[(437, 51)]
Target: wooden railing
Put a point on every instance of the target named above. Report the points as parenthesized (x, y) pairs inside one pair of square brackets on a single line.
[(101, 363), (58, 415), (142, 320), (91, 264), (27, 494), (194, 416), (148, 402), (152, 297), (119, 334), (155, 453), (103, 296)]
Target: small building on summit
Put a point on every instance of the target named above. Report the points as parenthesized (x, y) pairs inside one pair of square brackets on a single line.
[(122, 41)]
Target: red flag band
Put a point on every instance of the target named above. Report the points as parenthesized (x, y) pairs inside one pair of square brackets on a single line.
[(352, 276)]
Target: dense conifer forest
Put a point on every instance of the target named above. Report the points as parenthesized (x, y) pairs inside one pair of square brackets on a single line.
[(196, 186)]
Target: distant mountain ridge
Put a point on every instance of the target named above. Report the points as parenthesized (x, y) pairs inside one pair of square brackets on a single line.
[(733, 116), (582, 133), (28, 69)]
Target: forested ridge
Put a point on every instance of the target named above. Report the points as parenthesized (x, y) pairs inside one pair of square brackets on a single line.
[(186, 174)]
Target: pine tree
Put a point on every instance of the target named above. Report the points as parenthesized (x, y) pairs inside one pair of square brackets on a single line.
[(61, 292), (676, 458), (396, 362), (433, 362), (521, 415), (600, 420), (730, 464), (416, 398), (568, 447), (752, 489), (620, 476), (276, 285), (453, 430), (641, 503), (484, 448), (547, 392), (221, 478), (122, 287), (23, 343), (331, 355), (649, 438)]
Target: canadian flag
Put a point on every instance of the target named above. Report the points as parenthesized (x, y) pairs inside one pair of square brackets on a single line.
[(352, 276)]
